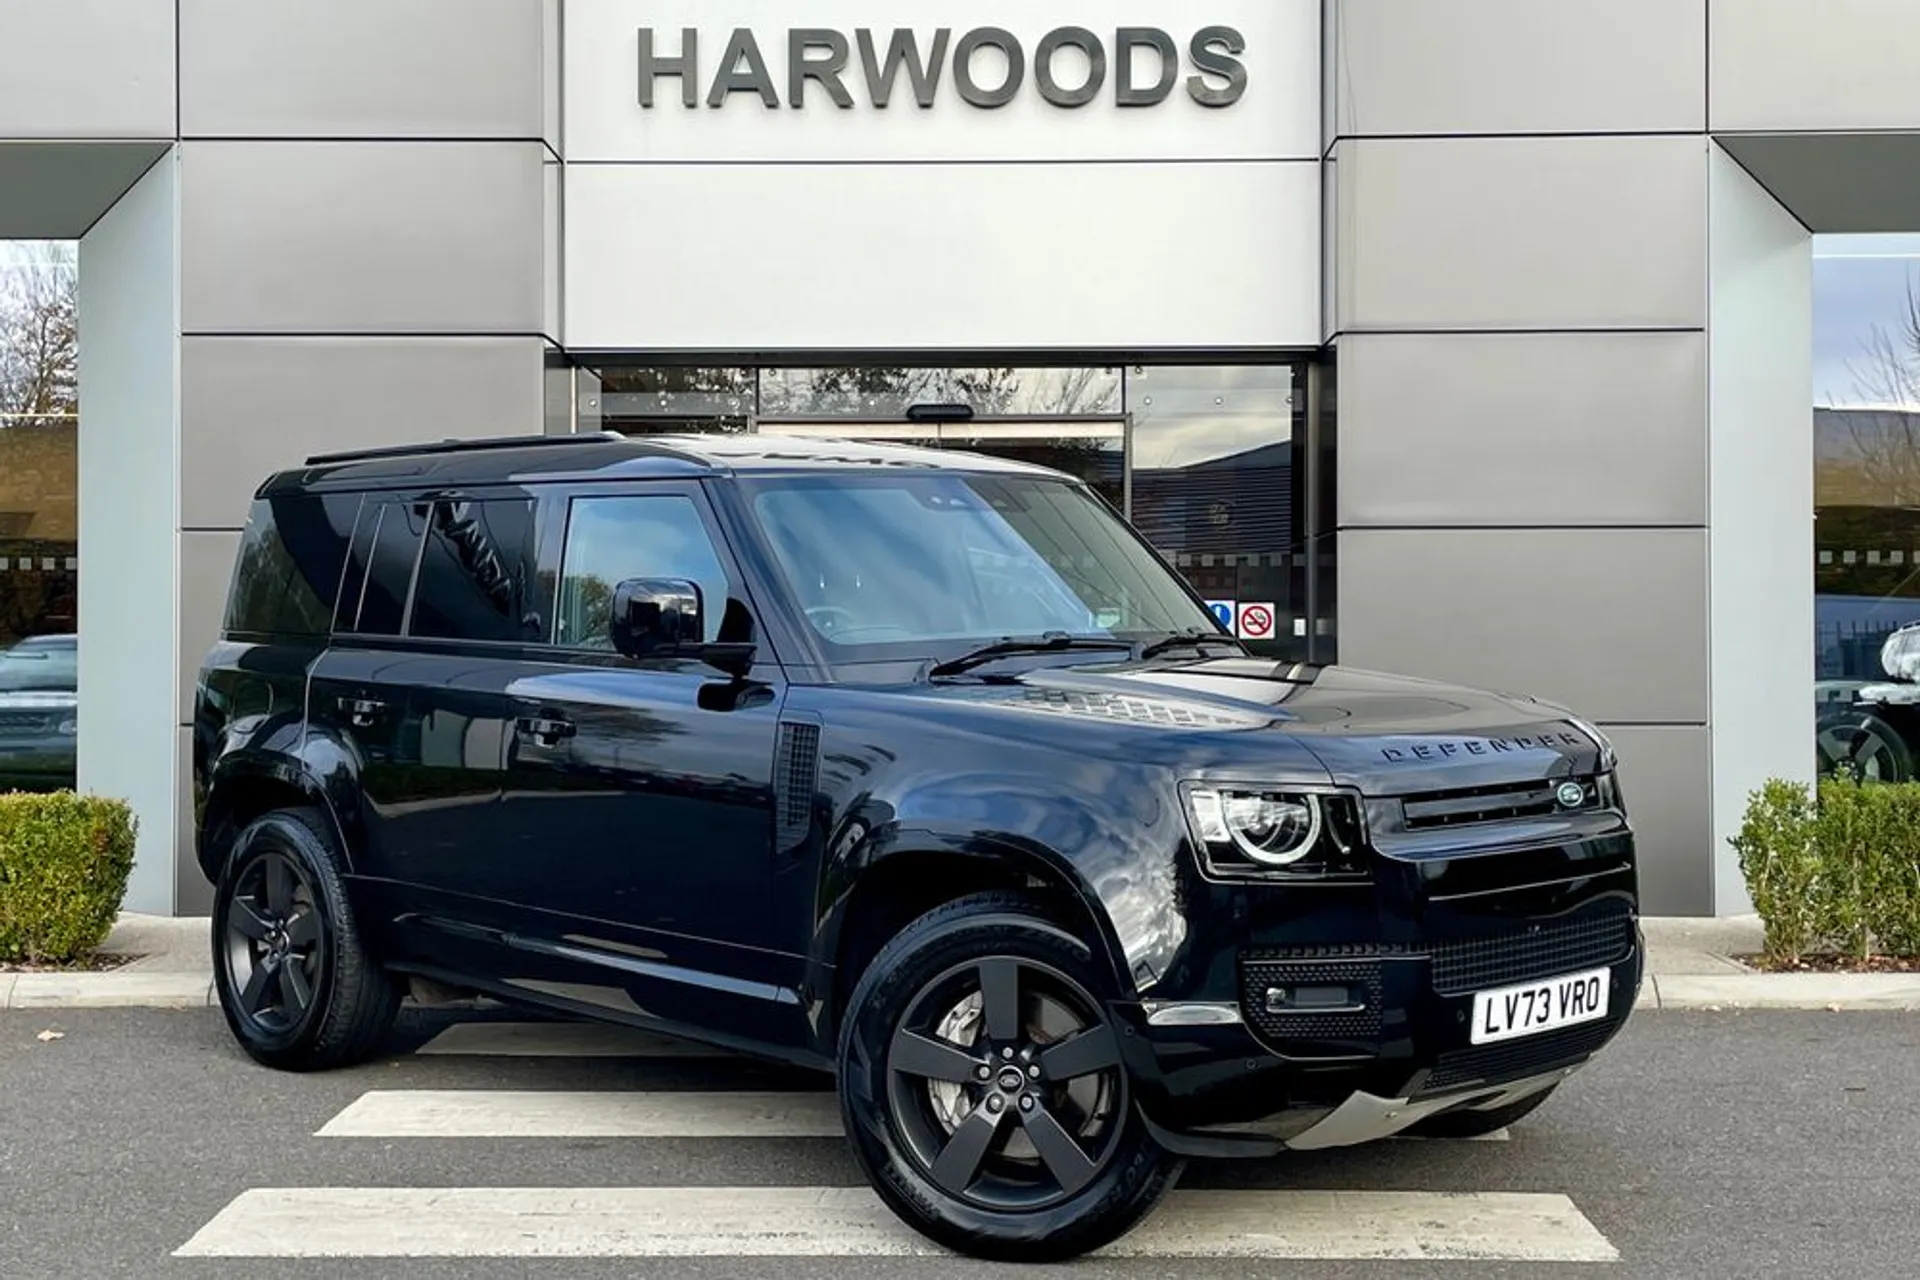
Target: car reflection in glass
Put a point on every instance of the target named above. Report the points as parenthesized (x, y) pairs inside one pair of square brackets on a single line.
[(39, 713)]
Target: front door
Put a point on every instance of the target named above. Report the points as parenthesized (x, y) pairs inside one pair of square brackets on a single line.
[(642, 791)]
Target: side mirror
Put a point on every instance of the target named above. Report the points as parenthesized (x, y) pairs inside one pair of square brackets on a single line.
[(652, 616)]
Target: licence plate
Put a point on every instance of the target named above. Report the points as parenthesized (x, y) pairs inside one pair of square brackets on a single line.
[(1531, 1008)]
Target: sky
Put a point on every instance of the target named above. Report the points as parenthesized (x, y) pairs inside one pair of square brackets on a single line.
[(1858, 282)]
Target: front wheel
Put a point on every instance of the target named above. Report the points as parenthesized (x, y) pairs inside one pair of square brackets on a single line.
[(982, 1087)]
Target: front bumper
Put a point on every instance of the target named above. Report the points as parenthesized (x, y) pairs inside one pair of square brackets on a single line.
[(1228, 1077)]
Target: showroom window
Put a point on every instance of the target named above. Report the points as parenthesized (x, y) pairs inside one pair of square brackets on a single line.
[(1866, 441), (1215, 463), (39, 508)]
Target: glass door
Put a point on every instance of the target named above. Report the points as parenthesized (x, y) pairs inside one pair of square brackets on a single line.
[(1090, 447)]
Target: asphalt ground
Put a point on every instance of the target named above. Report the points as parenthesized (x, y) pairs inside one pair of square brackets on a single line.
[(1734, 1144)]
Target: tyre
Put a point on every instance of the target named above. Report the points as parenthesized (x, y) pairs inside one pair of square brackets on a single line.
[(1478, 1124), (982, 1087), (298, 988)]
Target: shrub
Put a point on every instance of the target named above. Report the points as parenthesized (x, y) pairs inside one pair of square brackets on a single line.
[(64, 862), (1837, 869)]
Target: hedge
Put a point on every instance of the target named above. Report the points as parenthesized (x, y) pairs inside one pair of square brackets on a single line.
[(1836, 869), (64, 862)]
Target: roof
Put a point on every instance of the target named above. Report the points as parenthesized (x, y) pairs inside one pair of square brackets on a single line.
[(611, 456)]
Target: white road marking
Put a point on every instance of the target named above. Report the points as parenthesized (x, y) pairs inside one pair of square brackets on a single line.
[(560, 1040), (607, 1113), (529, 1222), (506, 1113)]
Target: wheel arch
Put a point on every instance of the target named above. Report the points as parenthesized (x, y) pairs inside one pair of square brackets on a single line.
[(918, 872), (244, 790)]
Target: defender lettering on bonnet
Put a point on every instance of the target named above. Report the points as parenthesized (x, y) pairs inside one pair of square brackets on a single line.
[(1440, 749), (823, 55), (919, 768)]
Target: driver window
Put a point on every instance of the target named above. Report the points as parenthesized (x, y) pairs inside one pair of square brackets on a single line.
[(614, 538)]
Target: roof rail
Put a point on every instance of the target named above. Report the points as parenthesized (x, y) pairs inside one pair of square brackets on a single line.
[(451, 445)]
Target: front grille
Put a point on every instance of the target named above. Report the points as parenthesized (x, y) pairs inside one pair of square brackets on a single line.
[(1356, 1025), (1508, 802), (1516, 1059), (25, 721), (1534, 952)]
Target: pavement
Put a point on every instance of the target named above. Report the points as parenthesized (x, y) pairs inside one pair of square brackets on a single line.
[(142, 1143), (1690, 965)]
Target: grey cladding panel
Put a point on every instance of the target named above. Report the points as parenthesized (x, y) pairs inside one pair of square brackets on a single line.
[(363, 69), (1451, 67), (1792, 65), (363, 237), (1612, 623), (250, 406), (1523, 429), (1665, 775), (87, 69), (1521, 233)]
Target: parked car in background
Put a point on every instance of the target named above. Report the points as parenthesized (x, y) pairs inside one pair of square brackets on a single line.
[(917, 767), (39, 713)]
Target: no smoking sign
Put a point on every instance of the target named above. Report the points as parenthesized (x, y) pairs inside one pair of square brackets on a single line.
[(1255, 621)]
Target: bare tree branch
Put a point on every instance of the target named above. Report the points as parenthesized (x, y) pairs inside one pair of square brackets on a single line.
[(39, 334)]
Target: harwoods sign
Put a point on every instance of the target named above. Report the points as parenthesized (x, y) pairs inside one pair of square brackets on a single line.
[(987, 67)]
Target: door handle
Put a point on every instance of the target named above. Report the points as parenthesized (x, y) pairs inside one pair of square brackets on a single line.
[(545, 730), (362, 712)]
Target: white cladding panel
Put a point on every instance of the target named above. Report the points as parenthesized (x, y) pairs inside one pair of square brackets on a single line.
[(1276, 114), (928, 257), (842, 224)]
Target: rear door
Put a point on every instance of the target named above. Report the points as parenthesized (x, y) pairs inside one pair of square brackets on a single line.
[(440, 597)]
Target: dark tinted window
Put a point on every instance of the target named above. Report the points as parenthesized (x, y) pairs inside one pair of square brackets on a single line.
[(477, 579), (615, 538), (288, 568), (373, 595)]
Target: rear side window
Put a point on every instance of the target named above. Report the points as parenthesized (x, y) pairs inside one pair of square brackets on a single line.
[(478, 571), (288, 568), (386, 544)]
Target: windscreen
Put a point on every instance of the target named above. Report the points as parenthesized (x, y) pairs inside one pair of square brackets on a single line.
[(39, 668), (890, 565)]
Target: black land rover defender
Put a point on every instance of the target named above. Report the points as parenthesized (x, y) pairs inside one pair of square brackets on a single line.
[(917, 767)]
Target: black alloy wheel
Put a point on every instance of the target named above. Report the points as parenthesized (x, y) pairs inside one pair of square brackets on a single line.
[(298, 988), (275, 950), (984, 1088)]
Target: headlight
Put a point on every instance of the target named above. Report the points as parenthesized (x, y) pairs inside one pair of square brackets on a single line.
[(1248, 831), (69, 726), (1274, 830)]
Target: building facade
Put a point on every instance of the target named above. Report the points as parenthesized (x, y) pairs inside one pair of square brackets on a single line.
[(1465, 338)]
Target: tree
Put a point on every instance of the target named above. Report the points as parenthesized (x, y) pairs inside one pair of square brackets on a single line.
[(39, 332)]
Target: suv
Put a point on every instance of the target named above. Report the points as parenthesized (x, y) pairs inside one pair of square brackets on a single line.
[(916, 767)]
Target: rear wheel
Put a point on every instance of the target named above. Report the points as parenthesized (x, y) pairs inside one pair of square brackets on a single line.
[(297, 986), (1478, 1124), (983, 1089)]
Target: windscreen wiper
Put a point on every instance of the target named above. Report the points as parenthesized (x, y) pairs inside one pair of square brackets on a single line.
[(1050, 642), (1185, 639)]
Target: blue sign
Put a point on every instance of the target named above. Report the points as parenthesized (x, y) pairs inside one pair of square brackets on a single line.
[(1223, 610)]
